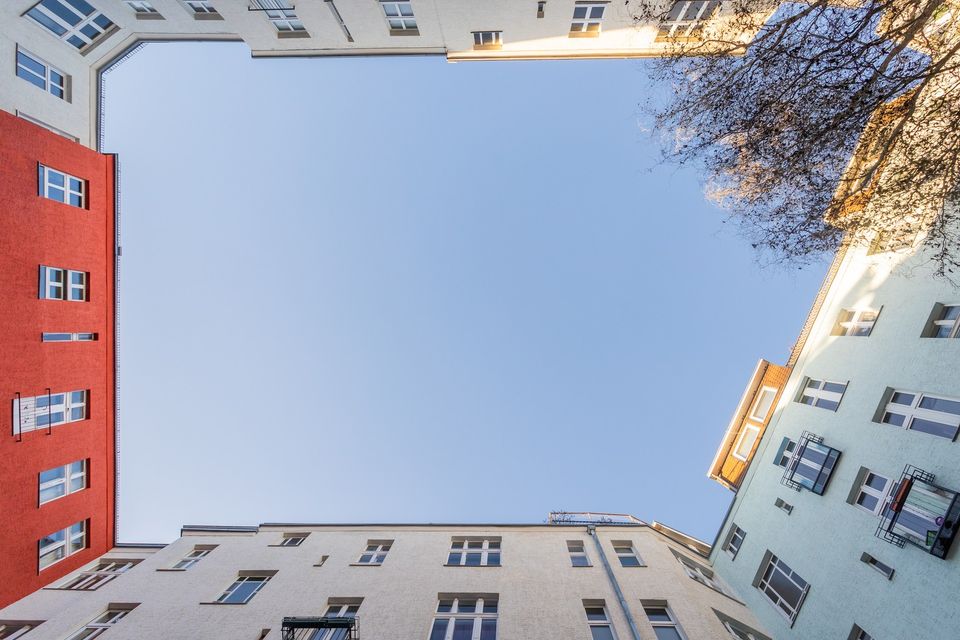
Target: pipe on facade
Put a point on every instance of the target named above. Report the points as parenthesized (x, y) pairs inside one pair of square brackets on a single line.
[(592, 532)]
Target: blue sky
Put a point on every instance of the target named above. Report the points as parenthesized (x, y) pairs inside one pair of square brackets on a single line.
[(402, 290)]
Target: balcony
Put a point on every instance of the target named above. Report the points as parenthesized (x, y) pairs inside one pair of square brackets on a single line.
[(322, 628), (811, 464), (921, 513)]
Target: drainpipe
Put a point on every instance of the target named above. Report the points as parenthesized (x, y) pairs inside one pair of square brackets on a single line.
[(592, 532)]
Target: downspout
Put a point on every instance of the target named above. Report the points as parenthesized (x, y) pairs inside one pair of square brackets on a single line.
[(592, 532)]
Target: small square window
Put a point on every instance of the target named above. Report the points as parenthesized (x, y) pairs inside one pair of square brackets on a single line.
[(375, 552)]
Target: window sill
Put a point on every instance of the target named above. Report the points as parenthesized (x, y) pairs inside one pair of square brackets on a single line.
[(171, 569), (293, 34), (404, 32), (286, 546), (227, 604), (149, 16), (584, 34), (366, 564), (474, 566), (207, 16), (487, 47)]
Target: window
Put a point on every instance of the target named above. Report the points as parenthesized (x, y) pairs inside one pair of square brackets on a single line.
[(763, 404), (60, 544), (598, 620), (244, 588), (376, 552), (811, 464), (59, 481), (103, 622), (73, 21), (698, 572), (487, 39), (664, 625), (889, 240), (282, 16), (686, 18), (399, 17), (822, 393), (871, 492), (102, 573), (781, 586), (734, 540), (945, 322), (740, 632), (336, 608), (68, 337), (745, 441), (856, 633), (922, 412), (474, 552), (920, 513), (626, 553), (292, 539), (61, 187), (194, 556), (48, 410), (578, 555), (854, 322), (785, 453), (141, 8), (876, 565), (587, 17), (63, 284), (783, 506), (10, 630), (465, 617), (43, 75), (200, 7)]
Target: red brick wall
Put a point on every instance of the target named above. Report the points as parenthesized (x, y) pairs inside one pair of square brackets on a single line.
[(35, 231)]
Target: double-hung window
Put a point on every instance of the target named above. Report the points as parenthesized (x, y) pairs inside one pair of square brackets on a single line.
[(42, 74), (734, 541), (781, 586), (578, 554), (822, 393), (102, 623), (399, 16), (922, 412), (597, 620), (474, 552), (686, 19), (73, 21), (665, 625), (60, 544), (102, 573), (60, 186), (627, 553), (194, 556), (376, 552), (466, 617), (63, 284), (855, 322), (283, 17), (587, 18), (59, 481), (245, 587), (945, 322)]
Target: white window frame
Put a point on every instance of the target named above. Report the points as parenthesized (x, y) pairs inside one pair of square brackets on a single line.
[(101, 623), (28, 412), (915, 411), (588, 23), (399, 15), (604, 623), (786, 609), (816, 390), (71, 540), (284, 18), (70, 474), (196, 554), (461, 547), (292, 539), (683, 25), (201, 7), (72, 34), (102, 573), (87, 336), (765, 392), (487, 39), (626, 549), (14, 630), (345, 609), (734, 541), (375, 552), (263, 579), (851, 322), (577, 549), (952, 326), (701, 574), (857, 633), (749, 429), (50, 85), (880, 495), (739, 632), (478, 615), (142, 7), (47, 188), (671, 623)]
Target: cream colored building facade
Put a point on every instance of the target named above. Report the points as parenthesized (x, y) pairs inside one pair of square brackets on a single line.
[(538, 581)]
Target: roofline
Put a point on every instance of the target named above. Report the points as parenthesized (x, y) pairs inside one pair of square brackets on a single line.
[(754, 382), (195, 528)]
